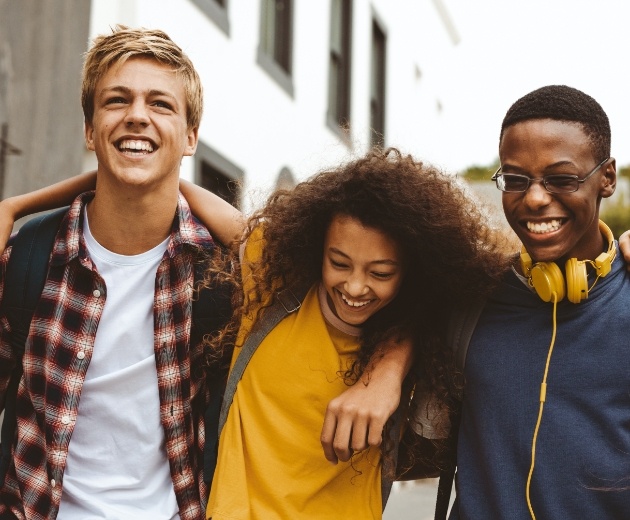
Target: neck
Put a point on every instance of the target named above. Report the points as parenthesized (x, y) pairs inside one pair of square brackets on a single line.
[(131, 225)]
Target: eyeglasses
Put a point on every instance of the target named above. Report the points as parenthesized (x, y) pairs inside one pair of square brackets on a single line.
[(517, 183)]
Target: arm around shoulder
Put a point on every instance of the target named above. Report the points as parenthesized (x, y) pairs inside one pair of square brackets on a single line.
[(55, 196), (222, 219)]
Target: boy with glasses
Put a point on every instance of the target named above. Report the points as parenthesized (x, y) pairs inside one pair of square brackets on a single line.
[(545, 426)]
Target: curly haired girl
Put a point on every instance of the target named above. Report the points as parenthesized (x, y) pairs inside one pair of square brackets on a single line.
[(383, 247)]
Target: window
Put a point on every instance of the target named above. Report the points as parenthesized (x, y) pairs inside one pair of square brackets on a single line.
[(216, 10), (276, 41), (377, 87), (217, 174), (339, 64)]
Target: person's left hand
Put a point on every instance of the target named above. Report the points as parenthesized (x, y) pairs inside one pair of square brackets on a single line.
[(624, 247), (355, 419)]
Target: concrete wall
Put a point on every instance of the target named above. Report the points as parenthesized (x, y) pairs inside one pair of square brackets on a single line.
[(41, 47)]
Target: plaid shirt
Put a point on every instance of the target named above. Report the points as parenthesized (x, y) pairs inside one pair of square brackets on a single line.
[(58, 352)]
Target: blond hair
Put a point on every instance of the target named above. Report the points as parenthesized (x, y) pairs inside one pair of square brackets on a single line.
[(114, 49)]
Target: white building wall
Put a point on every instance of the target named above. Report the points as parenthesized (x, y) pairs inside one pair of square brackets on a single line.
[(251, 121)]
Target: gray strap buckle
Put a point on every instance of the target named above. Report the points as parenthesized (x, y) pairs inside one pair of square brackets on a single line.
[(288, 300)]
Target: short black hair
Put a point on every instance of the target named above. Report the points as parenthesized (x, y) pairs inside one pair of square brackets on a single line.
[(563, 103)]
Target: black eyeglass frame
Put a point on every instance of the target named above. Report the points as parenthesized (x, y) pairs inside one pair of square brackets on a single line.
[(545, 179)]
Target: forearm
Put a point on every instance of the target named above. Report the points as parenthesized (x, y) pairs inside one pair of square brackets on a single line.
[(390, 364), (59, 194), (223, 220)]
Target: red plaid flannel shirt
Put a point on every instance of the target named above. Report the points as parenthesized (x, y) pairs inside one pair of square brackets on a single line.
[(64, 325)]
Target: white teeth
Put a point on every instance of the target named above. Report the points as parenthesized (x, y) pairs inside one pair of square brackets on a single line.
[(135, 145), (354, 304), (544, 227)]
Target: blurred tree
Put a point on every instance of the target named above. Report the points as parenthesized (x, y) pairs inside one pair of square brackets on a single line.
[(624, 171), (479, 172)]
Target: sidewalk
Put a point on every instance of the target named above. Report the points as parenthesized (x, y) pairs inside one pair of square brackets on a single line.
[(414, 500)]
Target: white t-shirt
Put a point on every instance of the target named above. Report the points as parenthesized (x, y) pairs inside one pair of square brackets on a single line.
[(117, 466)]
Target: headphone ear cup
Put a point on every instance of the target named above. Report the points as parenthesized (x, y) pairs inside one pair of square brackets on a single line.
[(547, 280), (577, 280)]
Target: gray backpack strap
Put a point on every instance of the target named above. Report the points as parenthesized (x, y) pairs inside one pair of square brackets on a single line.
[(285, 303)]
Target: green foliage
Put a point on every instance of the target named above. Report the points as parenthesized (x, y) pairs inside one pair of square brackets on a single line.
[(479, 172), (617, 216), (624, 171)]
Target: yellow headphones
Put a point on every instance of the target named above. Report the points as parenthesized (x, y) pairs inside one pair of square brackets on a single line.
[(546, 277)]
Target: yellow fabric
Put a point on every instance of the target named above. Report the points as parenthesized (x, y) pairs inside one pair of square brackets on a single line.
[(270, 463)]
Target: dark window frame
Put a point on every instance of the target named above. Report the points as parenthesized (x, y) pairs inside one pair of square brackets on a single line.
[(339, 68), (217, 11), (275, 49), (378, 83), (206, 156)]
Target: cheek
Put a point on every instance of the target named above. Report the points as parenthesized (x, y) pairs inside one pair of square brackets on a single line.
[(329, 277), (389, 292)]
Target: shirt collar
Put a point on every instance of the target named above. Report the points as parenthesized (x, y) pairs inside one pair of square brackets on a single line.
[(187, 231)]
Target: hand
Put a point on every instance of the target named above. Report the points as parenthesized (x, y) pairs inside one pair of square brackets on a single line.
[(7, 219), (624, 247), (355, 419)]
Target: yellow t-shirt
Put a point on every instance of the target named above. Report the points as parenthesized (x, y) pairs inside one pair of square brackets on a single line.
[(270, 463)]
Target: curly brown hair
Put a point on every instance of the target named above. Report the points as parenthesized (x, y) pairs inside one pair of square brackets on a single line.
[(451, 254)]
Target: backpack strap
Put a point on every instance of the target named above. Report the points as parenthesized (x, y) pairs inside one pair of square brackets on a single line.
[(285, 303), (27, 270), (389, 461), (460, 330)]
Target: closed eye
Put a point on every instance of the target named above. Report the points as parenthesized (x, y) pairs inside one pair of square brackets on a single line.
[(383, 276), (338, 265)]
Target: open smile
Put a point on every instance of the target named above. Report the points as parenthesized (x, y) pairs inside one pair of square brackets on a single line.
[(543, 227), (354, 304), (136, 147)]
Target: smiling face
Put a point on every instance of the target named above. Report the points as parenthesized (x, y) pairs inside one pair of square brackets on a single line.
[(555, 227), (362, 269), (139, 129)]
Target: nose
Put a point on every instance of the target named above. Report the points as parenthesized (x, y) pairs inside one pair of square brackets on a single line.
[(356, 285), (137, 113), (537, 196)]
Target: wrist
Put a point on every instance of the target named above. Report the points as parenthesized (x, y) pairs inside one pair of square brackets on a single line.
[(12, 207)]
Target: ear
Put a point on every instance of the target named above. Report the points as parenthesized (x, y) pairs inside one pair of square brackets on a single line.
[(609, 179), (192, 138), (88, 132)]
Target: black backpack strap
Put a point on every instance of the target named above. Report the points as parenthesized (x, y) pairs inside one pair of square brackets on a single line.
[(393, 432), (211, 310), (461, 328), (27, 270)]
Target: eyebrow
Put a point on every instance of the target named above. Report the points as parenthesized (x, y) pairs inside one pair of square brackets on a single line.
[(127, 90), (383, 262), (516, 169)]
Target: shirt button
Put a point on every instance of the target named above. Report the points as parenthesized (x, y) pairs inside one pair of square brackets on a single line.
[(96, 293), (53, 483), (65, 419), (81, 354)]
